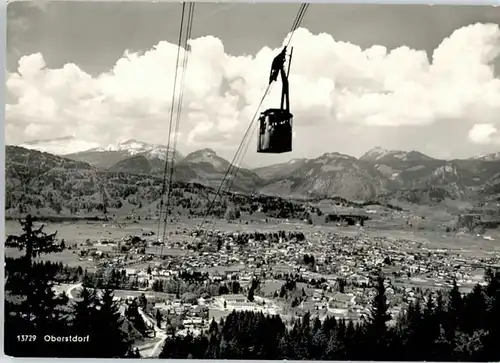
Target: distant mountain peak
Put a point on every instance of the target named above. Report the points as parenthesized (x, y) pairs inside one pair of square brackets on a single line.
[(295, 161), (487, 157), (201, 155), (378, 153), (207, 151), (110, 155), (207, 156), (334, 155), (130, 144), (131, 141), (134, 147)]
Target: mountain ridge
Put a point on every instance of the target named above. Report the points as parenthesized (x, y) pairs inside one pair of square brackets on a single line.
[(108, 156), (135, 146), (378, 172)]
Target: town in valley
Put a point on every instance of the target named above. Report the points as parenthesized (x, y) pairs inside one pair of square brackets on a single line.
[(268, 254), (360, 222)]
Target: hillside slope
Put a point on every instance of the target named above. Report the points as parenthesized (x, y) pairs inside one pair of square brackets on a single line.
[(45, 184), (109, 156), (404, 175), (331, 174)]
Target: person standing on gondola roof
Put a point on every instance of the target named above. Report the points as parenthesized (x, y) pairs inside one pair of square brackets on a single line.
[(277, 65)]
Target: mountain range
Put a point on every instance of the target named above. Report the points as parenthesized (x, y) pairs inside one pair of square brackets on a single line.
[(379, 173), (111, 155)]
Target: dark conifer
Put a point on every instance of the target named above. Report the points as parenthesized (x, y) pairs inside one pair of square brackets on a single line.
[(85, 321), (34, 241), (376, 327), (111, 337)]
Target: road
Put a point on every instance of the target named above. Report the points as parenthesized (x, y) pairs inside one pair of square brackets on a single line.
[(147, 350), (69, 291), (154, 351)]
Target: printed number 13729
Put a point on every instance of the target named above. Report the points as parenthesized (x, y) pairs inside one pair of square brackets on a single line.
[(26, 338)]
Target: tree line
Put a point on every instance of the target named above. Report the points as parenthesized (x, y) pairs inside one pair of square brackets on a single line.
[(442, 327), (36, 316)]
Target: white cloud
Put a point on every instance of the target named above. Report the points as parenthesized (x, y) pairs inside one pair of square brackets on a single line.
[(331, 81), (56, 146), (483, 134)]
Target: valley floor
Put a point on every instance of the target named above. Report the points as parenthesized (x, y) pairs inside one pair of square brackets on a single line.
[(414, 259)]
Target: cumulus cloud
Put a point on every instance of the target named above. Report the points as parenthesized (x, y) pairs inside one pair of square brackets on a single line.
[(331, 81), (60, 146), (483, 134)]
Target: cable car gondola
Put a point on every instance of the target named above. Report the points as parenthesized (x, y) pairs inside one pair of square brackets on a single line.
[(275, 124)]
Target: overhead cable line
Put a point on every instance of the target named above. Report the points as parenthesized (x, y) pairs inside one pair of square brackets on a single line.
[(167, 156), (179, 109), (238, 156), (296, 24), (298, 20), (233, 161)]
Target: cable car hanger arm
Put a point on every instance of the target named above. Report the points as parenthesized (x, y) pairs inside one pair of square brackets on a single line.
[(285, 91)]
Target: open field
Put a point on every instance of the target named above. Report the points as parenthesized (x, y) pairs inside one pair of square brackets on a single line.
[(425, 232), (79, 232), (270, 286), (75, 290), (438, 240), (217, 314), (126, 293), (66, 257)]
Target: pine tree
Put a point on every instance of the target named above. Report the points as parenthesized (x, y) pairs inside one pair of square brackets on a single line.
[(377, 332), (110, 337), (493, 316), (39, 313), (455, 311), (475, 310), (85, 321), (33, 308), (250, 295), (415, 332), (34, 241), (319, 341), (159, 318), (133, 315), (430, 328), (143, 301)]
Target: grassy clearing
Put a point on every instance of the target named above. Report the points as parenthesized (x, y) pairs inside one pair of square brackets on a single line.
[(125, 293), (427, 231), (268, 287), (217, 314), (223, 269), (165, 251), (66, 257)]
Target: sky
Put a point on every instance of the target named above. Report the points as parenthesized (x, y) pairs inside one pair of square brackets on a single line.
[(404, 77)]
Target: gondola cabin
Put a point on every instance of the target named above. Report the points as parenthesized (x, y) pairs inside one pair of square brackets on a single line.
[(275, 131), (275, 124)]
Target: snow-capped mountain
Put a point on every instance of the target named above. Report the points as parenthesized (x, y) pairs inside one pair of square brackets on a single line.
[(488, 157), (380, 154), (375, 154), (109, 155), (59, 146), (133, 147)]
